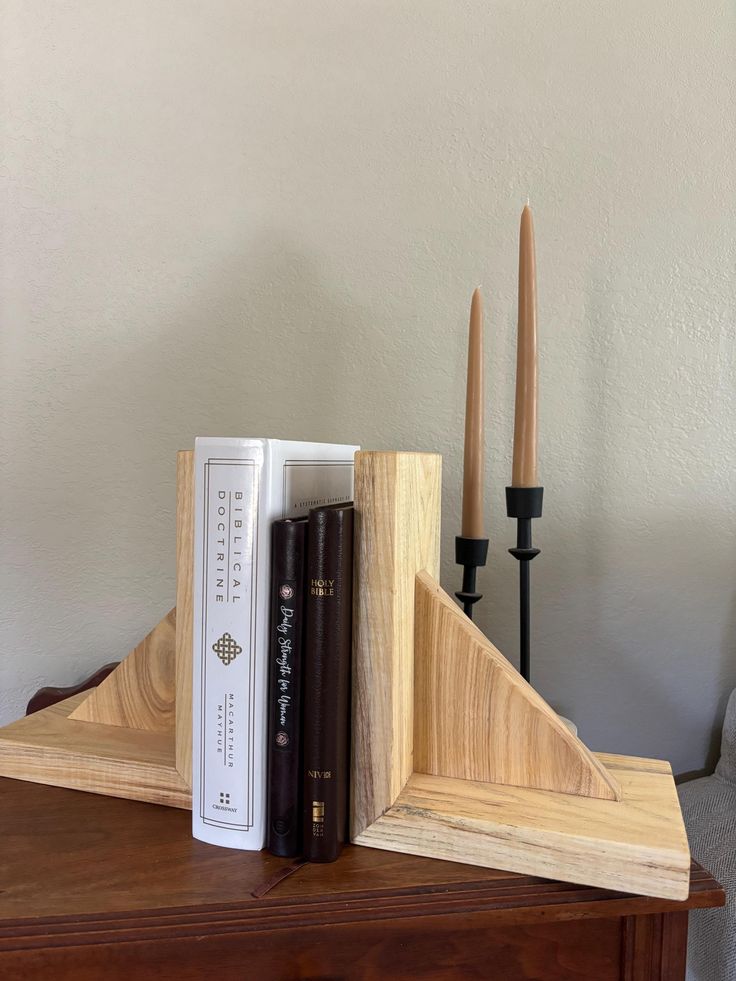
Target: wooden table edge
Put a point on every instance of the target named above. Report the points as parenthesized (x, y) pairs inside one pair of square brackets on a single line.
[(513, 901)]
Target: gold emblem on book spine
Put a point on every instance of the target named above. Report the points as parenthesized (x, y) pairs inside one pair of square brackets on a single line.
[(227, 649)]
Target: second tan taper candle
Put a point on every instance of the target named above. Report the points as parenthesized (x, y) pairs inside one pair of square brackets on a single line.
[(524, 471), (472, 521)]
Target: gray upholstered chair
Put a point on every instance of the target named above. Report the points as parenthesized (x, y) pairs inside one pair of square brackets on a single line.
[(709, 808)]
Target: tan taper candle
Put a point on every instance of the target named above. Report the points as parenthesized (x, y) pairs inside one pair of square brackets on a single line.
[(472, 523), (524, 472)]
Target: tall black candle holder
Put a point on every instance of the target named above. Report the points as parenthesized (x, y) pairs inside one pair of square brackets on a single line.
[(470, 553), (524, 503)]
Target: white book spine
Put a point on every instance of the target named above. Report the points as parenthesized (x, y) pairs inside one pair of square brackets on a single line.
[(241, 487)]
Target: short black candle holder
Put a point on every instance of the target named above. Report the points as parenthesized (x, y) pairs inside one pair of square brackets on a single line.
[(470, 553), (524, 503)]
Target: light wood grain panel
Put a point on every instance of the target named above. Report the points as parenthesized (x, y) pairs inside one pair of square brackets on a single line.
[(140, 692), (397, 504), (53, 748), (637, 844), (475, 716), (431, 693), (184, 610)]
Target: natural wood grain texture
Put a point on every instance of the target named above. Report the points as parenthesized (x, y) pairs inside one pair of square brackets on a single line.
[(673, 946), (654, 947), (94, 887), (110, 847), (637, 844), (475, 716), (140, 692), (51, 747), (184, 610), (397, 506), (434, 704), (424, 948)]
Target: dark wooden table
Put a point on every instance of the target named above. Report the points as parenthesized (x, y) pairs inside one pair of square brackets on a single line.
[(97, 888)]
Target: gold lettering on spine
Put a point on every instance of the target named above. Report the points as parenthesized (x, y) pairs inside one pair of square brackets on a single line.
[(322, 587)]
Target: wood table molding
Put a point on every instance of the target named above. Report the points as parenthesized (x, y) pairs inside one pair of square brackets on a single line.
[(96, 887)]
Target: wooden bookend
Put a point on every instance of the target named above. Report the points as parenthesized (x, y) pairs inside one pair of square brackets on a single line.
[(455, 756), (131, 736)]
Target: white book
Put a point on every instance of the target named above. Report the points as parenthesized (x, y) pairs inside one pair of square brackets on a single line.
[(241, 487)]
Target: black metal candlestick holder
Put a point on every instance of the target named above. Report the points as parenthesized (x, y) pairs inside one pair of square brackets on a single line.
[(470, 553), (524, 503)]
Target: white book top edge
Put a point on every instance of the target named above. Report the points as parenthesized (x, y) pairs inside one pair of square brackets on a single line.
[(245, 441)]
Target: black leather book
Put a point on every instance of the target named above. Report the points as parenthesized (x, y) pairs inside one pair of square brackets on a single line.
[(288, 562), (327, 681)]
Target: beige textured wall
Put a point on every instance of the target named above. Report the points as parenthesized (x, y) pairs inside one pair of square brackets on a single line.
[(267, 218)]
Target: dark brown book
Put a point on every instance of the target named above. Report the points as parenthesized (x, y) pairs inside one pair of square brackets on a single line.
[(288, 588), (329, 601)]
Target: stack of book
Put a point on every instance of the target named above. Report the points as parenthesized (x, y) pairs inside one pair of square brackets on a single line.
[(310, 660), (272, 626)]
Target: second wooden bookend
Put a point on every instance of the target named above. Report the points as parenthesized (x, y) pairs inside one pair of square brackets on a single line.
[(455, 756)]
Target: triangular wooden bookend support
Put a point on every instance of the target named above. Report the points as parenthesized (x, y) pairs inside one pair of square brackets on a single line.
[(479, 719), (455, 756), (131, 736), (141, 691)]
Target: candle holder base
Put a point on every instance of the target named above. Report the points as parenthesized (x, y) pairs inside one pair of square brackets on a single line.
[(470, 553), (524, 504)]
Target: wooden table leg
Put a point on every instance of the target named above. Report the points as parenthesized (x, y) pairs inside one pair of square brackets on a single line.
[(655, 947)]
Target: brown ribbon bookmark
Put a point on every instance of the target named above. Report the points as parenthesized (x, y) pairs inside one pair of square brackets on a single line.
[(282, 874)]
